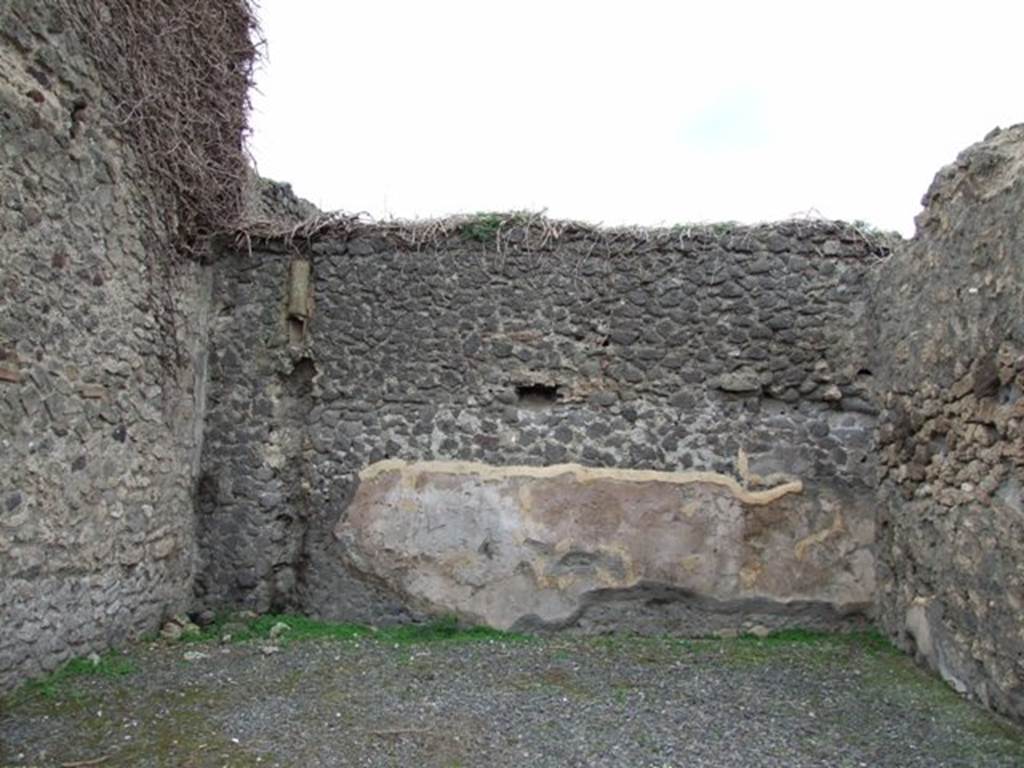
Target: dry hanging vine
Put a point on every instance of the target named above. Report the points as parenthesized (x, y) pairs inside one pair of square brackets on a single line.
[(177, 74)]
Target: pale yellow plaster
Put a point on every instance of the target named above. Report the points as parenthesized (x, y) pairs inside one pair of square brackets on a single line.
[(800, 550), (411, 471)]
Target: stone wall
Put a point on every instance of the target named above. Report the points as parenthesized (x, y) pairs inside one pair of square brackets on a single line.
[(735, 352), (950, 346), (528, 423), (101, 367)]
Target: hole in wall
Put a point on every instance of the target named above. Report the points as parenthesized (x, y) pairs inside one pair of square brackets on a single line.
[(537, 395), (77, 117), (487, 548), (985, 383), (298, 383)]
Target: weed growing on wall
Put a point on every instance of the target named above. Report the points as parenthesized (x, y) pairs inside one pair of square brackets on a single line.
[(485, 227)]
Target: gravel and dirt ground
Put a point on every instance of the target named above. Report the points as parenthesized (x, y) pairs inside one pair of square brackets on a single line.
[(323, 695)]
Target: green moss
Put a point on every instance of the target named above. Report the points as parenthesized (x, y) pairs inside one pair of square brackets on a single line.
[(996, 734), (484, 227), (813, 647), (751, 647), (897, 676), (59, 683), (446, 629)]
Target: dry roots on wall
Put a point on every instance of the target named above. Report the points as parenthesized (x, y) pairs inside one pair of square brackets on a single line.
[(177, 74)]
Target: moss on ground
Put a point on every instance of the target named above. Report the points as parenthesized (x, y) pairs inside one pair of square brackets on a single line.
[(897, 677), (299, 628), (60, 683), (749, 649), (814, 646), (61, 687), (182, 723)]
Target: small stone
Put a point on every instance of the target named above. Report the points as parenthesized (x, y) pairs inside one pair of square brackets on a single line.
[(163, 548), (270, 650), (171, 631), (832, 394), (94, 659), (684, 401), (728, 633), (739, 382), (604, 398), (195, 656), (278, 629), (759, 630)]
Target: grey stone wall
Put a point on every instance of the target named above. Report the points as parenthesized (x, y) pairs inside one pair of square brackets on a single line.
[(100, 368), (889, 387), (669, 350), (950, 346)]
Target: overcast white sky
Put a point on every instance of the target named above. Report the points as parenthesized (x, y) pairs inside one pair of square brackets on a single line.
[(631, 112)]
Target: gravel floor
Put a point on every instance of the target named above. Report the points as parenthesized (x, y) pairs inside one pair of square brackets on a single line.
[(562, 701)]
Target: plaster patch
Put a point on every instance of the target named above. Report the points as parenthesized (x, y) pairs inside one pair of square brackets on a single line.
[(504, 545)]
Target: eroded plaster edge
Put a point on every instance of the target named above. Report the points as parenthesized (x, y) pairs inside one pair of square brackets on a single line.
[(409, 471)]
